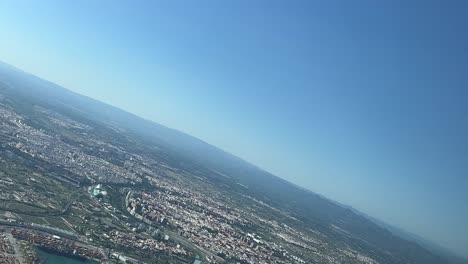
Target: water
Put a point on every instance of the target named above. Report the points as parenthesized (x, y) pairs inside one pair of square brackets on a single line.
[(56, 259), (197, 260)]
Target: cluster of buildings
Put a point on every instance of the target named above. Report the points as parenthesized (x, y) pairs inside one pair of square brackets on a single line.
[(71, 154), (13, 251), (7, 252), (58, 244), (192, 207), (145, 244), (204, 221)]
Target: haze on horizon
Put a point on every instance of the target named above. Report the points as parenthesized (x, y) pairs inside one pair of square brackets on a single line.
[(363, 102)]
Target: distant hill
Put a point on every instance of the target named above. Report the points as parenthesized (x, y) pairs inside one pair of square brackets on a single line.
[(337, 222), (441, 251)]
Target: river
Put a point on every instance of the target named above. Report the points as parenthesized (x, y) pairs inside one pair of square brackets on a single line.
[(56, 259)]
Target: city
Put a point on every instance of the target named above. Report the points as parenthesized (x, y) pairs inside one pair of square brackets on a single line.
[(115, 199)]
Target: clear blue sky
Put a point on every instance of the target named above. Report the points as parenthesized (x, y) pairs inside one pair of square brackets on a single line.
[(365, 102)]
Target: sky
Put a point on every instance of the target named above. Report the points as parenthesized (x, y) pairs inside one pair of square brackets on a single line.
[(364, 102)]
